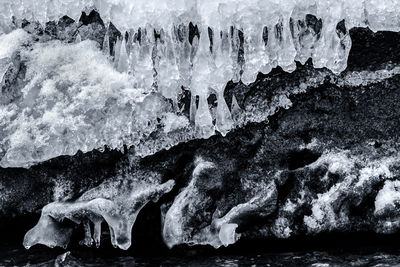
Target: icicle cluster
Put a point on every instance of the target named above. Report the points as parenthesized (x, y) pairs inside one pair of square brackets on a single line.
[(234, 40), (203, 61)]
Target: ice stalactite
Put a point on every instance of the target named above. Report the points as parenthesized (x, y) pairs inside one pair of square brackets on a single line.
[(117, 206), (122, 65), (167, 68), (203, 119), (235, 109), (200, 86), (143, 67), (117, 52), (221, 68), (106, 44)]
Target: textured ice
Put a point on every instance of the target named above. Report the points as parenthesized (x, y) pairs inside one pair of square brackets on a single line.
[(191, 203), (388, 197), (117, 202), (126, 14), (69, 90), (77, 98), (10, 42)]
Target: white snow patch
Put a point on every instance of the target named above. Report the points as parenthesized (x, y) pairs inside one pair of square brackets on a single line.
[(388, 196), (10, 42)]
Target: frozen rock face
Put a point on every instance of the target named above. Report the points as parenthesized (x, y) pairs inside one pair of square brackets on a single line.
[(303, 148)]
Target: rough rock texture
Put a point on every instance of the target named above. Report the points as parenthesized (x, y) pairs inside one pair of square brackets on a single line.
[(326, 158)]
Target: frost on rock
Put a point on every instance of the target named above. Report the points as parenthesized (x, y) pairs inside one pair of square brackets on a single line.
[(117, 202), (326, 214), (341, 191), (387, 204), (73, 99)]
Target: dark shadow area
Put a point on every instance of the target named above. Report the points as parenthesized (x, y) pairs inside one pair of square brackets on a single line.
[(148, 244)]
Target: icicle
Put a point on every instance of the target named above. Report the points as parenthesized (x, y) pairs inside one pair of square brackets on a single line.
[(117, 48), (193, 108), (235, 109), (97, 232), (203, 119), (106, 44), (144, 69), (235, 56), (273, 48), (224, 122), (220, 75), (87, 240), (133, 57), (123, 58), (112, 236), (78, 38), (184, 50), (253, 52), (167, 71), (200, 86), (287, 53)]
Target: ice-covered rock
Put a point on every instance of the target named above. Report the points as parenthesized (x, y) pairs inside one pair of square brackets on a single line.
[(68, 88), (10, 42), (195, 202), (116, 201)]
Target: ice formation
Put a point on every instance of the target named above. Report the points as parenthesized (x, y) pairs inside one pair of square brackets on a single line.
[(117, 202), (194, 203), (74, 100)]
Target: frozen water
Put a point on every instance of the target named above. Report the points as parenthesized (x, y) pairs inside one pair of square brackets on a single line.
[(9, 43), (220, 230), (117, 202), (227, 234), (76, 98)]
